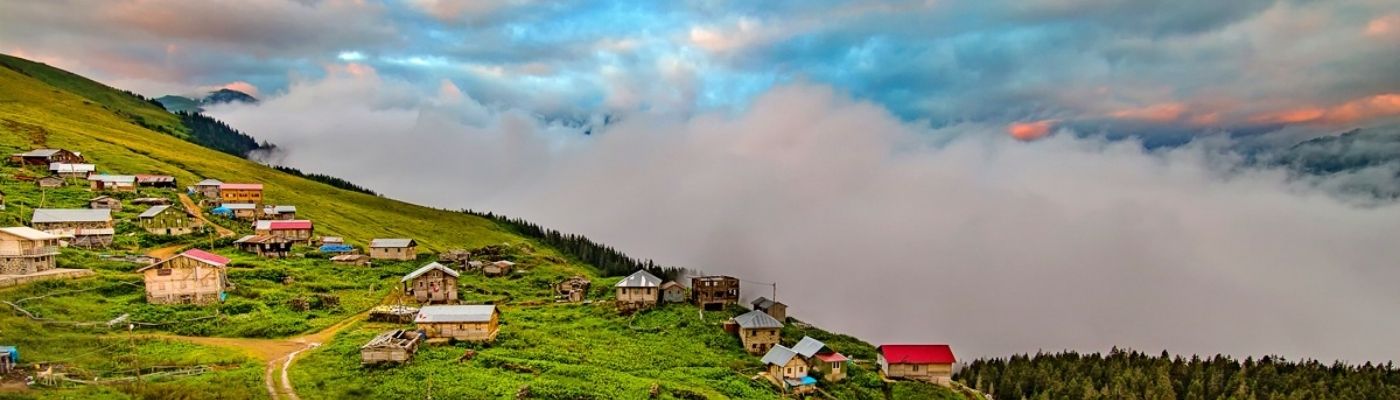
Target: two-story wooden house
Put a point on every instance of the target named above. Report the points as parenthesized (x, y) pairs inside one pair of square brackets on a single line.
[(167, 220), (25, 250), (714, 292), (758, 331), (433, 283), (82, 227), (193, 277)]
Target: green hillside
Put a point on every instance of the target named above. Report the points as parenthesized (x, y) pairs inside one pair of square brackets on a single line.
[(573, 351)]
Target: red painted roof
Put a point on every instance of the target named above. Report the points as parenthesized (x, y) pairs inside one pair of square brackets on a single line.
[(240, 186), (205, 256), (832, 357), (918, 354), (278, 225)]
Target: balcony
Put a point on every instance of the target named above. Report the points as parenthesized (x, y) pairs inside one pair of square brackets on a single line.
[(34, 252)]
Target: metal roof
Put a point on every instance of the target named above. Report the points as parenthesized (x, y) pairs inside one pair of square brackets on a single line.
[(431, 266), (335, 248), (62, 167), (763, 303), (392, 243), (240, 206), (155, 178), (41, 153), (29, 233), (113, 178), (240, 186), (259, 239), (641, 278), (209, 182), (757, 319), (807, 347), (278, 224), (779, 355), (195, 254), (153, 211), (458, 313), (43, 215)]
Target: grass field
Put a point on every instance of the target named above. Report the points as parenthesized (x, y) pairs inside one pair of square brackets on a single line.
[(550, 351)]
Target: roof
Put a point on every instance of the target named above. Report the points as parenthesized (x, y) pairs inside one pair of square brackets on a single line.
[(348, 257), (917, 353), (239, 206), (641, 278), (29, 233), (832, 357), (671, 284), (62, 167), (153, 211), (113, 178), (808, 347), (336, 248), (154, 178), (392, 243), (757, 319), (261, 239), (240, 186), (431, 266), (458, 313), (42, 215), (277, 225), (209, 182), (279, 209), (103, 198), (39, 153), (779, 355), (196, 254), (332, 239), (764, 303)]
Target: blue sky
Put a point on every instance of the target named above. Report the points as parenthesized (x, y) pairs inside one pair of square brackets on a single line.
[(1097, 66)]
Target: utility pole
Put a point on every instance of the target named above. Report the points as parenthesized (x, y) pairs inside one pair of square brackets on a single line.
[(135, 357)]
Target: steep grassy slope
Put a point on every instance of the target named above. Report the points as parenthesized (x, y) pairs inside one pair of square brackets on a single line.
[(124, 104), (547, 350)]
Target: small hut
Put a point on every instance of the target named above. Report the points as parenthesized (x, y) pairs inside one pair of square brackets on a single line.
[(208, 188), (395, 346), (112, 183), (265, 245), (456, 256), (9, 358), (573, 290), (433, 283), (832, 365), (107, 202), (393, 249), (772, 307), (50, 182), (244, 211), (473, 323), (351, 259), (78, 171), (398, 314), (672, 292), (498, 268)]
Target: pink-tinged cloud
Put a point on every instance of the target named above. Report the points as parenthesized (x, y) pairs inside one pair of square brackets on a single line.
[(242, 86), (1162, 112), (351, 69), (1365, 108), (1027, 131), (1385, 26)]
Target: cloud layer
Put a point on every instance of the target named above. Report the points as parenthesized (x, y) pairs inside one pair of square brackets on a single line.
[(890, 230)]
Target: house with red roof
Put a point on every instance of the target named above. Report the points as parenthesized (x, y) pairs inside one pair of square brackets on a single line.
[(924, 362), (296, 230), (193, 277)]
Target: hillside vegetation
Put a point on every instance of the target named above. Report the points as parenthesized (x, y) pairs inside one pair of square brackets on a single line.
[(546, 350)]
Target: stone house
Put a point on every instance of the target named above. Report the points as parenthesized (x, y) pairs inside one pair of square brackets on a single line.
[(25, 250)]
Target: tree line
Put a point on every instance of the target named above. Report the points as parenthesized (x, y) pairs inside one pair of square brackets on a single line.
[(327, 179), (217, 135), (608, 260), (1122, 374)]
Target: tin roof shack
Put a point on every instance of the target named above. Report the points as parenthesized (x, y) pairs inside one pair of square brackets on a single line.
[(758, 331), (393, 249), (107, 202), (156, 181), (672, 292), (772, 307), (336, 249), (351, 259), (112, 183), (573, 290), (472, 323), (167, 220), (9, 359), (714, 292), (77, 171), (265, 245), (831, 365), (789, 370), (280, 212), (923, 362), (193, 277), (639, 290), (50, 182), (497, 268), (395, 347), (46, 157), (297, 230), (243, 211), (86, 227), (25, 250), (433, 283), (241, 193), (208, 188)]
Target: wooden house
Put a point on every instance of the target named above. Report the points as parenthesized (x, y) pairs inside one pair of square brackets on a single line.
[(433, 283), (395, 347), (107, 202), (351, 259), (393, 249), (923, 362), (265, 245), (241, 193), (298, 230), (243, 211), (714, 292), (639, 290), (789, 369), (156, 181), (832, 365), (167, 220), (672, 292), (573, 290), (25, 250), (208, 188), (193, 277), (73, 171), (50, 182), (84, 227), (498, 268), (772, 307), (112, 183), (473, 323), (758, 331), (280, 212), (46, 157)]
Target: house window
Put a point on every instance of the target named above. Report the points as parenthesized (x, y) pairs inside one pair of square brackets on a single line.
[(163, 271), (915, 368), (789, 370)]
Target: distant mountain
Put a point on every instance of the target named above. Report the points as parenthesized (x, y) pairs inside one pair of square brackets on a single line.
[(176, 104), (1359, 161)]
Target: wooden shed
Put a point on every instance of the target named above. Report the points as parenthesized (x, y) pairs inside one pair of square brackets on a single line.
[(497, 268), (922, 362), (639, 290), (112, 183), (395, 347), (50, 182), (714, 292), (167, 220), (393, 249), (265, 245), (672, 292), (72, 171), (772, 307), (573, 290), (433, 283), (107, 202), (473, 323), (193, 277), (208, 188)]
